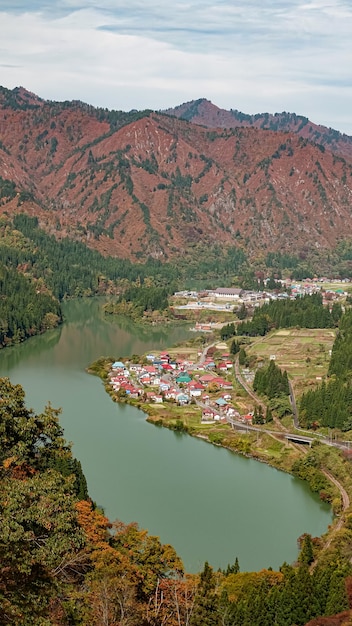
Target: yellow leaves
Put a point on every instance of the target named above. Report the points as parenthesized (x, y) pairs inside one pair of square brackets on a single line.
[(235, 584), (9, 461)]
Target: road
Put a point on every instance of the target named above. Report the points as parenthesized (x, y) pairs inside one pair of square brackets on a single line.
[(293, 405), (345, 504), (284, 432), (342, 445), (251, 393)]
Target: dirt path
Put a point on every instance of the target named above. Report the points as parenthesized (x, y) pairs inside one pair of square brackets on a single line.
[(345, 504), (344, 495), (254, 397)]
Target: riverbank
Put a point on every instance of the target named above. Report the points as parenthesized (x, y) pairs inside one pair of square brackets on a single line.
[(206, 316), (318, 465)]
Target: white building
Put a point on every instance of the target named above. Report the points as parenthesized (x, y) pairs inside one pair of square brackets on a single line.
[(226, 292)]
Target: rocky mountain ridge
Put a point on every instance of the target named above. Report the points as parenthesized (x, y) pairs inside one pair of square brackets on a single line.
[(143, 184), (205, 113)]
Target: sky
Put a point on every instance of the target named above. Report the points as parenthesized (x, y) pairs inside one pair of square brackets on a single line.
[(255, 56)]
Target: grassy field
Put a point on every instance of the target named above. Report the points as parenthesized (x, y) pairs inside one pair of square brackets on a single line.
[(185, 352), (304, 353), (333, 286)]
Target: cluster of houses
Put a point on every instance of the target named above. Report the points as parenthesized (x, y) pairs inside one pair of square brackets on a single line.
[(255, 298), (163, 379)]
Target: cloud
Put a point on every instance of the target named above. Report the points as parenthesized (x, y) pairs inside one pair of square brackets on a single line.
[(258, 55)]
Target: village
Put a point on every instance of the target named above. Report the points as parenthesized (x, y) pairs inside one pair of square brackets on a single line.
[(207, 379), (224, 298), (163, 379), (223, 301)]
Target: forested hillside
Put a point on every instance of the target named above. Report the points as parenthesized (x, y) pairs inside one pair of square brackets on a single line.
[(25, 309), (144, 184), (306, 312), (37, 271), (63, 563), (331, 403), (69, 268)]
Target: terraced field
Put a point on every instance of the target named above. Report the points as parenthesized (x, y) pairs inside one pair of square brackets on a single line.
[(304, 353)]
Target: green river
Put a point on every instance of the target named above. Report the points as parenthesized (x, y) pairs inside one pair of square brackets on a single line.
[(208, 503)]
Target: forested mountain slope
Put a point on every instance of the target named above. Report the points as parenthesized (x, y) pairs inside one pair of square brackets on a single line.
[(144, 184)]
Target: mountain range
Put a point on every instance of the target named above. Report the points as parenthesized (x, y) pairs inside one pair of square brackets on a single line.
[(162, 184)]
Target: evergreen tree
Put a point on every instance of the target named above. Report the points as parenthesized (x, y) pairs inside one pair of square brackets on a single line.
[(39, 532), (242, 357), (227, 331), (306, 555), (258, 416), (271, 381), (235, 347), (306, 312), (242, 312), (206, 607), (232, 569), (268, 415), (337, 599)]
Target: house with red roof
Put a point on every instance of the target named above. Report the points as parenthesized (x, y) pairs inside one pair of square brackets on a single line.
[(224, 384), (145, 379), (131, 391), (208, 415), (207, 378), (150, 369), (171, 394), (167, 367), (195, 389)]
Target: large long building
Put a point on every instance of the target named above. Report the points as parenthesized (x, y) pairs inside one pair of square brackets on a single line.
[(226, 292)]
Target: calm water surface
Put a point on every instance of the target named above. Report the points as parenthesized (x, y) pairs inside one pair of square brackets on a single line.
[(208, 503)]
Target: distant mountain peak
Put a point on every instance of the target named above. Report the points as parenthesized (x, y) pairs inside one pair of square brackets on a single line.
[(19, 98), (205, 113)]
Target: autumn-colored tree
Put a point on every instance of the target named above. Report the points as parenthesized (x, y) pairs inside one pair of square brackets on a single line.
[(110, 597), (94, 523), (173, 601), (153, 560)]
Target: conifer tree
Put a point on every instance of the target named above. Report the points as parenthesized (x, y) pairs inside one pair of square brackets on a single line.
[(242, 356), (306, 555), (205, 612)]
